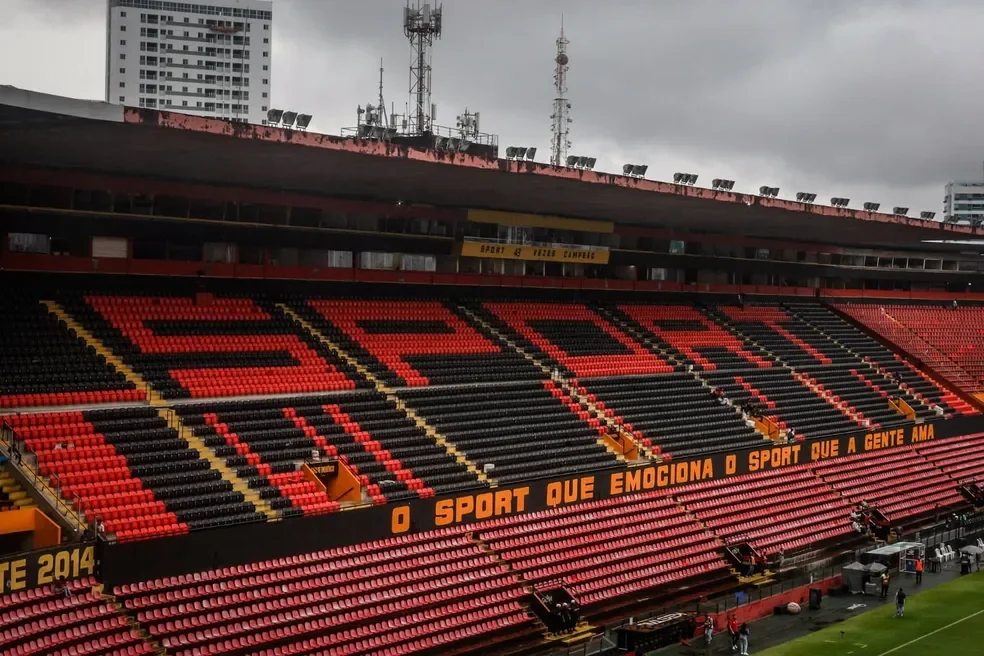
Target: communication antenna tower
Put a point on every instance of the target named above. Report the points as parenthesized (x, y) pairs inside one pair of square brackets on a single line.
[(560, 129), (421, 24)]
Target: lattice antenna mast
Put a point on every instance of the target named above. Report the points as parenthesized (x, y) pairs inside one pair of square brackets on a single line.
[(560, 129), (422, 25)]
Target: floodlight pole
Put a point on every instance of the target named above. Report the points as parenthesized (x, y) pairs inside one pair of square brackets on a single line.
[(421, 24), (560, 129)]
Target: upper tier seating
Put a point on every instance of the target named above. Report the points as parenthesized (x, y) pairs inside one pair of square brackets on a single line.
[(45, 621), (414, 343), (128, 468), (265, 441), (949, 340), (226, 347), (829, 367), (574, 337), (526, 429), (788, 509), (675, 412), (961, 458), (45, 363), (848, 375), (898, 482), (609, 548), (886, 360), (403, 595)]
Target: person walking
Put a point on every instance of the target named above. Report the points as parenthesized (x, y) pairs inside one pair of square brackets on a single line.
[(733, 632), (885, 580), (919, 571), (743, 640), (900, 603), (708, 630)]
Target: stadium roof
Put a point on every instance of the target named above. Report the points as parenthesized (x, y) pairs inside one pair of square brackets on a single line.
[(61, 133)]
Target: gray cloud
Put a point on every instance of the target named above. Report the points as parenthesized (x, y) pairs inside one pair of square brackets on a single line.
[(875, 100)]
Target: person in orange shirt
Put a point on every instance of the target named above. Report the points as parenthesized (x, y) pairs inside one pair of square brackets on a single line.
[(919, 570), (733, 630)]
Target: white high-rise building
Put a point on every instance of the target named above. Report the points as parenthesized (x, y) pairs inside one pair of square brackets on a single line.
[(209, 58), (964, 202)]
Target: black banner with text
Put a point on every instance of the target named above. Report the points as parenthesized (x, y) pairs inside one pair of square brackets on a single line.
[(34, 569)]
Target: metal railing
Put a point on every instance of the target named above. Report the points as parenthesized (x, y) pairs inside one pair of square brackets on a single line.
[(14, 448)]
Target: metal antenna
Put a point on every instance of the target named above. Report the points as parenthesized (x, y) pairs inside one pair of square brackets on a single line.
[(560, 129), (421, 24)]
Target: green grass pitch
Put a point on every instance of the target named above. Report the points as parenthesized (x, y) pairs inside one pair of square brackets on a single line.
[(945, 620)]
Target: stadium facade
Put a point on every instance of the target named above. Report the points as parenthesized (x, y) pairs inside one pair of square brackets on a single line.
[(208, 59), (385, 399)]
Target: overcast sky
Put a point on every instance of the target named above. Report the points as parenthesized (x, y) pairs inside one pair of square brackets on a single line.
[(881, 100)]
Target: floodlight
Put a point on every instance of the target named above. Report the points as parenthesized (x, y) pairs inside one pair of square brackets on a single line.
[(900, 211), (453, 143), (274, 115), (303, 121), (510, 150), (927, 215), (723, 185), (871, 207), (289, 118), (949, 218), (520, 153), (805, 197), (840, 202), (589, 162), (627, 169), (635, 170), (769, 192), (531, 154), (572, 161), (685, 178), (440, 143)]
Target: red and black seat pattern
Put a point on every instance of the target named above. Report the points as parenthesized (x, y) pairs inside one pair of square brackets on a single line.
[(266, 440), (129, 469), (45, 363), (226, 347), (576, 338), (416, 343)]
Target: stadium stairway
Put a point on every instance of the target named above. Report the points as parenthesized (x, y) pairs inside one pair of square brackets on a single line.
[(884, 367), (431, 432), (12, 495)]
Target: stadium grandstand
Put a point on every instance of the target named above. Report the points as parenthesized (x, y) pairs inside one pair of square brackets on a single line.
[(309, 394)]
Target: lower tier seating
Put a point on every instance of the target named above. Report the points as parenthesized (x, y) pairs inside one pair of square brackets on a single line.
[(785, 509), (396, 596), (46, 363), (675, 411), (961, 458), (56, 622), (128, 469), (524, 429), (898, 482), (609, 548), (265, 441)]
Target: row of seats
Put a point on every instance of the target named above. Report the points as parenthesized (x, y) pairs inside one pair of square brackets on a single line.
[(523, 429), (131, 471), (48, 620), (956, 333), (211, 347), (45, 363), (961, 458), (891, 370), (394, 596), (421, 342), (577, 338), (265, 441)]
